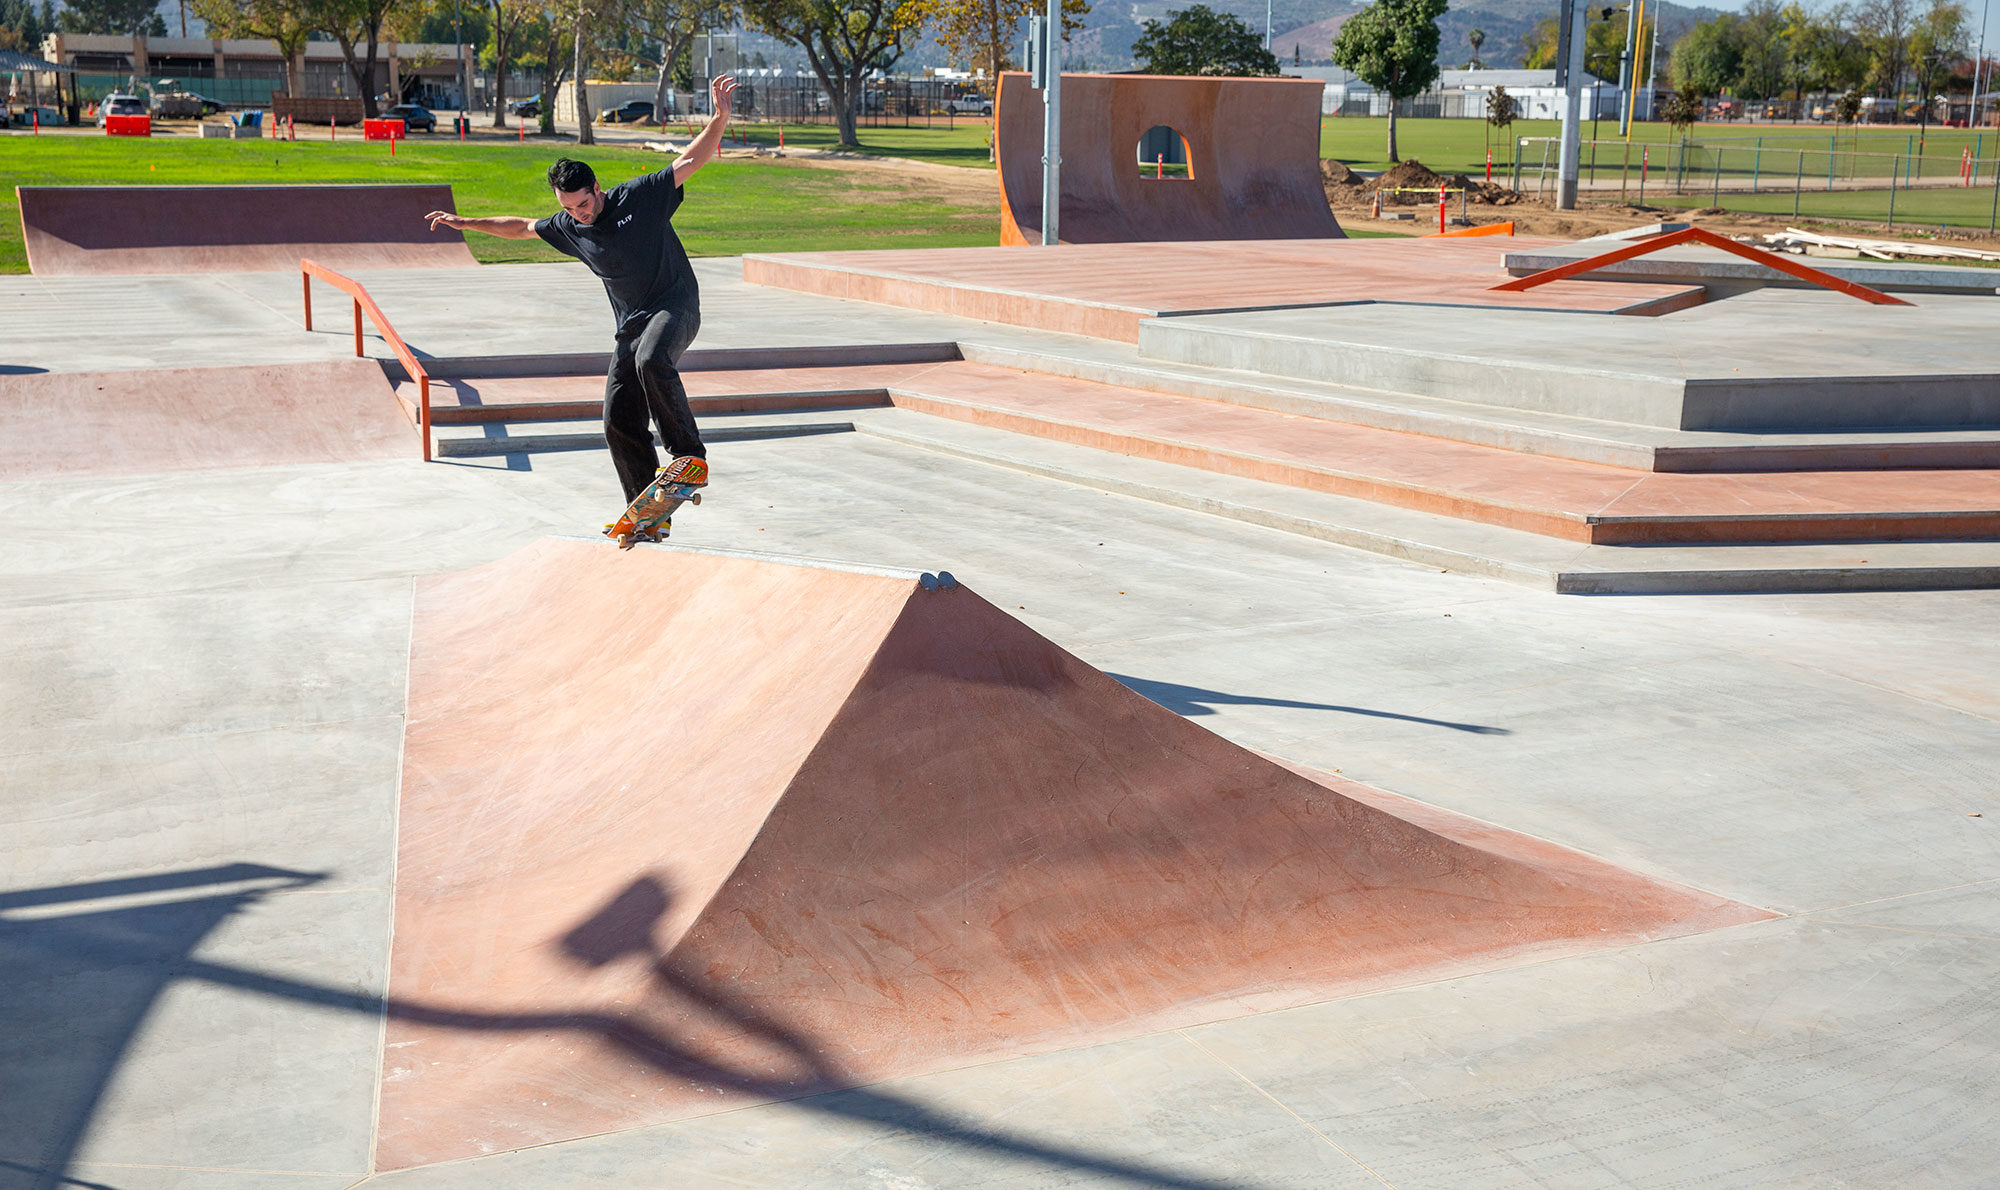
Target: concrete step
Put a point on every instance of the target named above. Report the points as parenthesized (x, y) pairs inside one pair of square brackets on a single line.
[(502, 438), (1641, 372), (1457, 545), (1527, 431), (1562, 498)]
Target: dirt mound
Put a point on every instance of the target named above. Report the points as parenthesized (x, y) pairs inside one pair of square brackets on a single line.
[(1404, 184), (1336, 173)]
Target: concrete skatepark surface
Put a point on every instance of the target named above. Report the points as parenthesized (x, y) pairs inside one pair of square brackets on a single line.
[(115, 230), (204, 750)]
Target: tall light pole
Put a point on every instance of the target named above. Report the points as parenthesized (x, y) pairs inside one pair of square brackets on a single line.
[(1626, 75), (1576, 18), (1052, 128)]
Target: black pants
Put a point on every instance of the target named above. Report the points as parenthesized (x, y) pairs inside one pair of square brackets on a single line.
[(643, 387)]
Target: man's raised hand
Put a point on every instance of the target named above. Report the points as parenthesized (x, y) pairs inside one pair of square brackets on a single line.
[(724, 91)]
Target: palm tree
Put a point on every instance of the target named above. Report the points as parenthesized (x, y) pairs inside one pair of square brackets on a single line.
[(1478, 38)]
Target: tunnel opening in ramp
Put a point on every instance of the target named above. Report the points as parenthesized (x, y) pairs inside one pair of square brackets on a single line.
[(682, 831)]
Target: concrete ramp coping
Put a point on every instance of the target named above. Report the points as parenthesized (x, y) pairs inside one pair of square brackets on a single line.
[(1250, 149), (115, 230)]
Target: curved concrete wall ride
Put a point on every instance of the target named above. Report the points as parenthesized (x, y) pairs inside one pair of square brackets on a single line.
[(682, 831), (1252, 160), (100, 230)]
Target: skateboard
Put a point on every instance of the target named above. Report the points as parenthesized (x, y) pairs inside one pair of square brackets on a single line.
[(650, 517)]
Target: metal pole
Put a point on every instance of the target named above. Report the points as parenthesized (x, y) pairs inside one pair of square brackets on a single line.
[(1993, 221), (1653, 67), (1626, 75), (1566, 161), (1798, 183), (1897, 168), (1052, 131), (1757, 165)]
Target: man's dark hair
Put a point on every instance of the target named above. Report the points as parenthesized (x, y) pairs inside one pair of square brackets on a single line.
[(571, 176)]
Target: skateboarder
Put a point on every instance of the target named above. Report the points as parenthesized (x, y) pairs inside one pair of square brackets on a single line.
[(626, 236)]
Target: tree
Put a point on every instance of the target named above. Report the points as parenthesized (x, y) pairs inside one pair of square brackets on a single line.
[(980, 32), (843, 40), (672, 25), (1682, 109), (510, 18), (285, 23), (130, 17), (1199, 40), (1884, 27), (1500, 112), (22, 27), (1392, 45), (357, 25), (1478, 38), (1710, 57)]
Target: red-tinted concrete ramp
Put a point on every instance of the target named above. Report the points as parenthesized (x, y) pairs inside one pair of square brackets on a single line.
[(98, 230), (682, 831), (1252, 149), (62, 424)]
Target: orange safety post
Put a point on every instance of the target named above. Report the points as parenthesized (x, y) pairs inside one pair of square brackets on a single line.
[(1489, 167), (1441, 197), (306, 283), (1699, 235)]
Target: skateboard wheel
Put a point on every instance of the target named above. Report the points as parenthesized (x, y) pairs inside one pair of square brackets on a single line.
[(695, 498), (945, 580)]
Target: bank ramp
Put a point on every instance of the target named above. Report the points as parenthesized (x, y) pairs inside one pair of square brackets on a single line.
[(112, 230)]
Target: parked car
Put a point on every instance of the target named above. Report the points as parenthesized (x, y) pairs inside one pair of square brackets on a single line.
[(527, 109), (632, 111), (415, 117), (969, 105), (184, 105), (119, 105)]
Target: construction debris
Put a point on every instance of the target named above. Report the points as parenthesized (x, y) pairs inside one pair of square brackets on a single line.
[(1807, 243)]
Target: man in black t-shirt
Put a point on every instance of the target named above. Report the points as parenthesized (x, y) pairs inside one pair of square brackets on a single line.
[(625, 235)]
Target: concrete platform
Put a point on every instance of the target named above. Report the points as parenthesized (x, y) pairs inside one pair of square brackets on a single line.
[(1109, 290), (1770, 360)]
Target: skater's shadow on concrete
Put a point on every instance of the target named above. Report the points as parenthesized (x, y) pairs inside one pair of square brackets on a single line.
[(1193, 700), (88, 962)]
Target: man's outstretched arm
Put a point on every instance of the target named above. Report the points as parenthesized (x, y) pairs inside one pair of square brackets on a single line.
[(702, 149), (507, 227)]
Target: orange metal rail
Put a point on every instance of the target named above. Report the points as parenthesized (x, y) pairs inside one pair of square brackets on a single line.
[(1484, 229), (309, 269), (1783, 264)]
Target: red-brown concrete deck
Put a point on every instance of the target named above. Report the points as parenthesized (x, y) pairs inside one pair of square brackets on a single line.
[(684, 831), (1106, 290), (190, 419), (100, 230), (1579, 501)]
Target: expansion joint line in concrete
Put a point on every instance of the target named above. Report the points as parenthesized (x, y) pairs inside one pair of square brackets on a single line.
[(1281, 1106)]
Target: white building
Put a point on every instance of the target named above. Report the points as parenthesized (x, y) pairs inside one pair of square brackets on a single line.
[(1463, 94)]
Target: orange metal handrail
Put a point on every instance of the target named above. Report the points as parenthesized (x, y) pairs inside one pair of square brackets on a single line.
[(1783, 264), (308, 269)]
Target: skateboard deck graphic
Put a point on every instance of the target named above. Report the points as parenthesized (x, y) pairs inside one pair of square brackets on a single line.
[(649, 517)]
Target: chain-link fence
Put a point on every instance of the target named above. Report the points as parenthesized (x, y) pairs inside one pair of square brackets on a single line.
[(1803, 177)]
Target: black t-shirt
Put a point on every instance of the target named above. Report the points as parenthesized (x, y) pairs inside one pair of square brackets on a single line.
[(632, 248)]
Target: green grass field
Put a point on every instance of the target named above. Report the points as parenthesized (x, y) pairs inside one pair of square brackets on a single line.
[(964, 143), (733, 206), (1459, 146)]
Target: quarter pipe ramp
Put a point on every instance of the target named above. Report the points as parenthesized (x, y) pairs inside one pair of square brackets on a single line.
[(682, 831), (1252, 169), (108, 230)]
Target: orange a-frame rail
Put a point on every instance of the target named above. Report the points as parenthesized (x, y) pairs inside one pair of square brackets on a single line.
[(1699, 235), (363, 303)]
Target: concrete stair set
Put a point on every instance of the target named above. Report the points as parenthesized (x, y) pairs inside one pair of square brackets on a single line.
[(1647, 474)]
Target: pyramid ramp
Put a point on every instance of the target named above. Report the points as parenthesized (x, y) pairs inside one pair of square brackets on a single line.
[(682, 831)]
